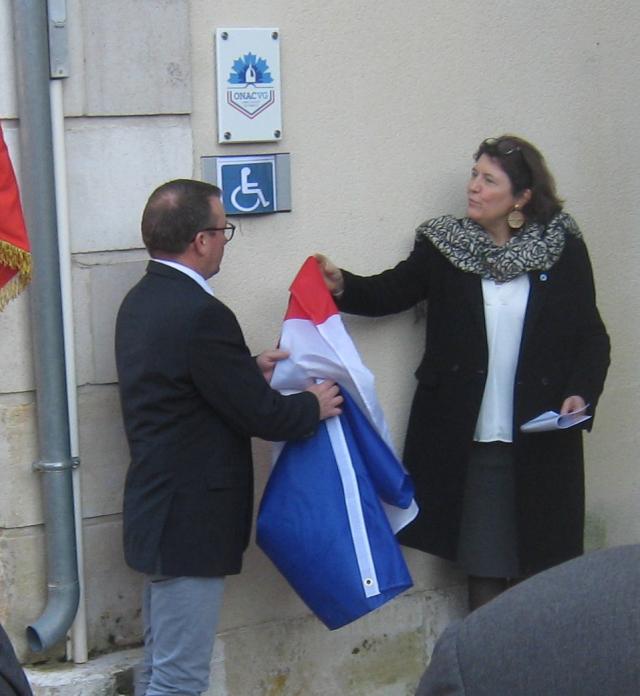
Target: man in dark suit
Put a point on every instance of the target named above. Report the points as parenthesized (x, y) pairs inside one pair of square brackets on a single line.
[(192, 397), (573, 630)]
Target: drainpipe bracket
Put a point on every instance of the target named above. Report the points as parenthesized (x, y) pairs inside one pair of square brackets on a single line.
[(56, 466)]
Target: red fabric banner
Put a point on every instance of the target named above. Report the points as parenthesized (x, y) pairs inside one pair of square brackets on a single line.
[(15, 256)]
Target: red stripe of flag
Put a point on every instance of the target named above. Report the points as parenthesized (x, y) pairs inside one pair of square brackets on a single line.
[(310, 298)]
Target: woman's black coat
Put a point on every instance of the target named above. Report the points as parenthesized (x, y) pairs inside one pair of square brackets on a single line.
[(564, 351)]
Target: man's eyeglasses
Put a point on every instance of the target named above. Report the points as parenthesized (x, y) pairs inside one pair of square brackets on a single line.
[(228, 230)]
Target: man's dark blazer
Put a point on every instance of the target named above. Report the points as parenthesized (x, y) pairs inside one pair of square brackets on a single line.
[(192, 396), (573, 630)]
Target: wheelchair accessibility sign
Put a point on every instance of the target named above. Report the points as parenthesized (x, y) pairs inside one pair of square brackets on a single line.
[(248, 186), (251, 184)]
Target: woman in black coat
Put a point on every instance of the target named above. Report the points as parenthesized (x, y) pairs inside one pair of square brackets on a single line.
[(512, 331)]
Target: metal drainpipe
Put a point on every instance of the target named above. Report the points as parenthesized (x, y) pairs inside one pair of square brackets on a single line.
[(77, 648), (37, 179), (77, 644)]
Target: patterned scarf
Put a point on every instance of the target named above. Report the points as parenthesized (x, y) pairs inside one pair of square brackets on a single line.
[(470, 248)]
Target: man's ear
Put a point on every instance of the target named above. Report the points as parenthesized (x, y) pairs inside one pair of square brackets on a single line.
[(200, 243)]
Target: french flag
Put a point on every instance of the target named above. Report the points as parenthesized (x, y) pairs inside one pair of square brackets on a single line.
[(334, 502)]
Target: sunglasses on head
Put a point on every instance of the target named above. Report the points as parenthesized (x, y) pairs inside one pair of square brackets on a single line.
[(501, 146)]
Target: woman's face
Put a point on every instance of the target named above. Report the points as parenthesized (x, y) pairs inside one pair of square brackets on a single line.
[(489, 195)]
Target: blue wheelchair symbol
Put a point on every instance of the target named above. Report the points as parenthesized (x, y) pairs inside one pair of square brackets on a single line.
[(248, 188)]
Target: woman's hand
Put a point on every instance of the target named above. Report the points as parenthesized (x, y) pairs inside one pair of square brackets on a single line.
[(571, 404), (267, 361), (332, 275)]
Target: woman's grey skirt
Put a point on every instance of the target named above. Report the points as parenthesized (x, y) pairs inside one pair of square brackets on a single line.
[(487, 546)]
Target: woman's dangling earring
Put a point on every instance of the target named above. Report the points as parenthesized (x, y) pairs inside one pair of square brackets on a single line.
[(515, 219)]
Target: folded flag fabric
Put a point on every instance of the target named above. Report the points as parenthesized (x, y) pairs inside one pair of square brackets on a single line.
[(333, 502), (15, 256)]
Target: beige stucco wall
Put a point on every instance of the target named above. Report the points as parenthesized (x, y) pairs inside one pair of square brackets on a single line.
[(383, 106)]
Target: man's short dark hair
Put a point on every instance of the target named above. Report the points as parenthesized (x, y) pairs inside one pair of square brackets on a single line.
[(175, 212)]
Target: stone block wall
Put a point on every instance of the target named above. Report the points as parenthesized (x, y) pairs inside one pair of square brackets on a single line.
[(127, 108)]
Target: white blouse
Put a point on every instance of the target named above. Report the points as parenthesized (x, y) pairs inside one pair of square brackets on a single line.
[(504, 308)]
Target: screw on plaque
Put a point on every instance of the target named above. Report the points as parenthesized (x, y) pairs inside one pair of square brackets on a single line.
[(276, 133), (224, 36), (274, 35), (227, 135)]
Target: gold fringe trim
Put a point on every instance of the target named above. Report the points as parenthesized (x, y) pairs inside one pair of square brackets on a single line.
[(16, 258), (12, 289)]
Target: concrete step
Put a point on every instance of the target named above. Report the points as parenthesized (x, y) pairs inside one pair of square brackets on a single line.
[(107, 675)]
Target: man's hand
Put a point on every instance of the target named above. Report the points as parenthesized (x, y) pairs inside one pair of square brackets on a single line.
[(267, 361), (571, 404), (332, 275), (329, 398)]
